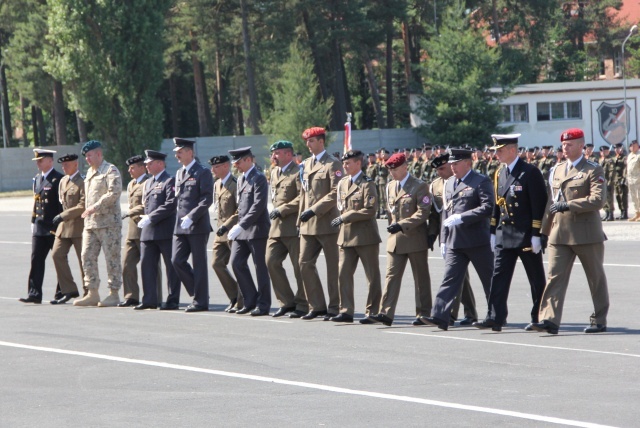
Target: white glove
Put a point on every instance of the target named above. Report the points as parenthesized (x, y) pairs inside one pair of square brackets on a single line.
[(493, 243), (536, 245), (186, 222), (33, 226), (144, 221), (234, 232), (454, 220), (443, 251)]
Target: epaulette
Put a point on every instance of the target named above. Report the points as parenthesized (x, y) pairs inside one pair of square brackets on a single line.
[(592, 163), (367, 178)]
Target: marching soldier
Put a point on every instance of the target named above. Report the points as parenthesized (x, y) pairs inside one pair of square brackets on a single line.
[(409, 204), (69, 227), (358, 238), (620, 181), (521, 198), (283, 236), (382, 175), (607, 164), (320, 175), (102, 226), (46, 207), (225, 202)]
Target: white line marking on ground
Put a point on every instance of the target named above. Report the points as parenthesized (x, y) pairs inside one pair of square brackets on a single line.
[(15, 242), (442, 336), (315, 386)]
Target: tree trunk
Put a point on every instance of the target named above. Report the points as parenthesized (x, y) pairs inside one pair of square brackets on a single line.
[(60, 121), (42, 130), (34, 125), (254, 107), (414, 52), (496, 24), (198, 79), (175, 109), (389, 74), (317, 63), (82, 128), (23, 118), (7, 132), (375, 92), (240, 119)]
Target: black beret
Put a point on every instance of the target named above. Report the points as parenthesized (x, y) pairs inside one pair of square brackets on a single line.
[(352, 154), (134, 159), (216, 160), (440, 160), (68, 157)]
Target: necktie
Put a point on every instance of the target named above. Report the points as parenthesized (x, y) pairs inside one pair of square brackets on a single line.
[(398, 187), (313, 161), (456, 183)]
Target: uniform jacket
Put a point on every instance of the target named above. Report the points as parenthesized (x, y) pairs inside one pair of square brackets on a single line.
[(253, 213), (46, 204), (226, 203), (319, 194), (358, 205), (194, 196), (72, 199), (473, 199), (372, 171), (584, 189), (633, 168), (158, 199), (436, 188), (102, 189), (620, 170), (409, 208), (521, 199), (136, 209), (285, 196)]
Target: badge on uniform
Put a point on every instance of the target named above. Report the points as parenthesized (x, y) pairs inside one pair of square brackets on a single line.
[(426, 200), (577, 177), (600, 179), (338, 173)]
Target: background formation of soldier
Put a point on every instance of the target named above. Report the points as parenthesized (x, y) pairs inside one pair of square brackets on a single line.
[(484, 208)]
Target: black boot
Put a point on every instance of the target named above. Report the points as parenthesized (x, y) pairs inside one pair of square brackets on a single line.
[(623, 215), (606, 215)]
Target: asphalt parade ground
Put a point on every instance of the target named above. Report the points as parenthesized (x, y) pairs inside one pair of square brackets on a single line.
[(65, 366)]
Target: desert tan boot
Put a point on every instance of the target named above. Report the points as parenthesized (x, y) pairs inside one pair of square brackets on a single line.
[(111, 300), (91, 299)]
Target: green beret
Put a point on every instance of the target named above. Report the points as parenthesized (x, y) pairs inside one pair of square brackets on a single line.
[(282, 144), (90, 145)]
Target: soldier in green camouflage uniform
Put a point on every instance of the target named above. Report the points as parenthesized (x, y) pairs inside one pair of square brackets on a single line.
[(417, 164), (620, 181), (546, 162), (588, 153), (102, 226), (371, 171), (427, 156), (492, 167), (606, 162), (382, 174), (479, 162)]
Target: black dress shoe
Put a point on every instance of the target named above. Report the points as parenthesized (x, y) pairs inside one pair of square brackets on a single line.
[(313, 314), (31, 299), (488, 323), (128, 302), (442, 325), (232, 303), (169, 306), (329, 315), (64, 299), (232, 310), (545, 327), (529, 327), (297, 314), (283, 311), (196, 308), (342, 318), (257, 312), (383, 319), (142, 307), (367, 320), (596, 328), (467, 321), (416, 322), (245, 310)]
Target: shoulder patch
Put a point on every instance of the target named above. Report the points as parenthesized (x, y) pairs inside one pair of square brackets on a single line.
[(593, 163)]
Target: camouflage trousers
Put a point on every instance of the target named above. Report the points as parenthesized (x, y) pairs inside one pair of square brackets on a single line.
[(622, 196), (108, 239)]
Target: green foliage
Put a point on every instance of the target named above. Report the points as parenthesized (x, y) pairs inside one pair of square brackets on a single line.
[(296, 101), (458, 105)]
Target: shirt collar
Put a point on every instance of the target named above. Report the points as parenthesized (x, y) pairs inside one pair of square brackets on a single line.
[(224, 180), (513, 164), (246, 174), (465, 176), (355, 177), (404, 180), (577, 161), (190, 165), (44, 174), (157, 177), (319, 155), (142, 177), (286, 166), (74, 174)]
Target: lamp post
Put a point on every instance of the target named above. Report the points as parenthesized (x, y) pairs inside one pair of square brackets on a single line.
[(624, 83)]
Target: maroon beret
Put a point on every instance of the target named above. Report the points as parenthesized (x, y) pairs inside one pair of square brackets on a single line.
[(571, 134), (313, 132), (395, 160)]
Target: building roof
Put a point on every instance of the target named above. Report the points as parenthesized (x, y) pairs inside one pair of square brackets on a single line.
[(591, 85)]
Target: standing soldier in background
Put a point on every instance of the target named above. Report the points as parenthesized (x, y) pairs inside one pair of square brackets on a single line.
[(46, 207), (425, 173), (588, 153), (382, 176), (358, 237), (69, 227), (102, 226), (283, 236), (371, 171), (225, 202), (559, 155), (416, 165), (131, 256), (493, 165), (320, 175), (607, 164), (479, 163), (436, 188), (633, 178), (620, 181), (546, 162)]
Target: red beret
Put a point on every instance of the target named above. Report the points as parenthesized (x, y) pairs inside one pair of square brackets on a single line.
[(313, 132), (571, 134), (396, 160)]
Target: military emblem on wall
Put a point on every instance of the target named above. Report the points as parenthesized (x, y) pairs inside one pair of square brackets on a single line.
[(613, 122)]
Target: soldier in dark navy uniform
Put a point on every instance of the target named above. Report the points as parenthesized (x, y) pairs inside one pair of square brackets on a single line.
[(45, 207), (521, 198)]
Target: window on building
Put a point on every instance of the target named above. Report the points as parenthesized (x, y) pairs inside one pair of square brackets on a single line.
[(617, 62), (559, 111), (515, 113)]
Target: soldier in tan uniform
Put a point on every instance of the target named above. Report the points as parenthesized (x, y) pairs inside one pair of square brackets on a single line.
[(131, 255), (226, 204), (358, 238), (320, 175), (409, 204), (633, 177), (69, 227), (102, 226), (574, 228), (283, 235)]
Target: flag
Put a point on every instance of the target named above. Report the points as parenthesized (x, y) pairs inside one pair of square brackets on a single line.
[(347, 134)]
